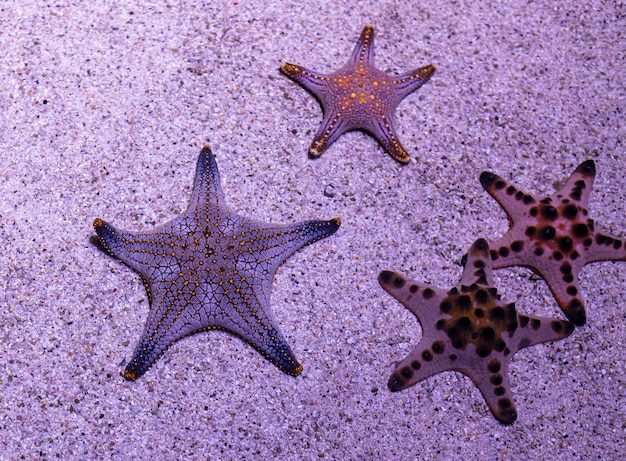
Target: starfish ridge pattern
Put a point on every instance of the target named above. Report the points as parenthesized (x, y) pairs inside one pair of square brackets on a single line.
[(470, 330), (210, 269), (553, 236), (359, 96)]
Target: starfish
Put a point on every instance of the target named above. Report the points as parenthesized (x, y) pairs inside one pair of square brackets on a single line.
[(468, 329), (553, 236), (359, 96), (210, 269)]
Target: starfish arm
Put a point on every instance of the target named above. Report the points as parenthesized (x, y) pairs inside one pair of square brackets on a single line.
[(492, 379), (207, 198), (383, 130), (478, 268), (363, 53), (333, 126), (408, 82), (514, 201), (420, 364), (578, 186), (536, 330), (218, 306), (145, 253), (310, 80), (420, 298), (605, 247), (272, 244)]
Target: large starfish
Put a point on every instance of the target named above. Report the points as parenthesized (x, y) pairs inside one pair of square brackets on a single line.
[(359, 96), (210, 269), (553, 236), (468, 329)]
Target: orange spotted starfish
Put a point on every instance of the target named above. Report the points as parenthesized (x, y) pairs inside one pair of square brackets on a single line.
[(468, 329), (210, 268), (553, 236), (359, 96)]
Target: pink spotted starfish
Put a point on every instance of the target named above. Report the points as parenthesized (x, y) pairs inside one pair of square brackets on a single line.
[(359, 96), (553, 236), (468, 329)]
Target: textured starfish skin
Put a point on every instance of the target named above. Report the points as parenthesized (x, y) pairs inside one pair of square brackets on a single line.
[(210, 269), (468, 329), (553, 236), (359, 96)]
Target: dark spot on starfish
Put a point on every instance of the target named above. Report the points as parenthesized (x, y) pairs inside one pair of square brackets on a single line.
[(587, 242), (570, 211), (438, 347), (396, 383), (494, 254), (445, 306), (494, 366), (440, 325), (385, 277), (530, 231), (617, 244), (517, 246), (482, 296), (499, 391), (547, 233), (428, 293), (580, 230), (453, 357), (566, 268), (427, 356), (398, 282), (565, 244), (523, 320), (549, 212), (573, 255), (557, 255), (539, 251), (533, 211), (528, 199), (510, 190), (504, 252), (497, 314), (572, 290), (479, 313), (464, 302), (416, 365), (487, 179), (568, 278), (576, 312), (483, 351), (519, 195), (479, 264), (407, 373), (413, 289), (587, 168), (496, 380), (488, 333), (535, 324)]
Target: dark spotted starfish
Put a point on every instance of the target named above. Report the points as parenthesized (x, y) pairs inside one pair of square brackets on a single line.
[(553, 236), (359, 96), (468, 329), (210, 269)]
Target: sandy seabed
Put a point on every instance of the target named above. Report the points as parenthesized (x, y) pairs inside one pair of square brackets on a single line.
[(105, 107)]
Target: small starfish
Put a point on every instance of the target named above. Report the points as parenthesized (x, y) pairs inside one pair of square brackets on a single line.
[(359, 96), (553, 236), (468, 329), (210, 269)]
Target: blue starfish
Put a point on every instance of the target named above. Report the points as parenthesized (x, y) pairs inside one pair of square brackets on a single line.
[(210, 269), (468, 329), (359, 96)]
